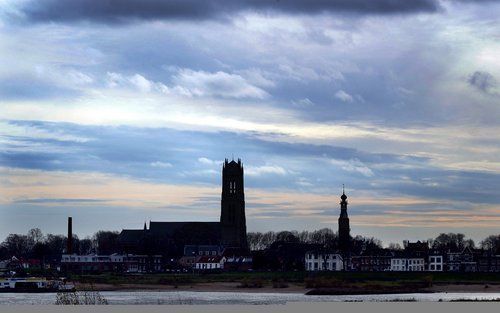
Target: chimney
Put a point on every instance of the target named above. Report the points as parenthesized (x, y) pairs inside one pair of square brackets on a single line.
[(69, 247)]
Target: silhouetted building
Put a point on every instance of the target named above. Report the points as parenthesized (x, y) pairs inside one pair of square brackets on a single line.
[(171, 237), (344, 229), (232, 217), (374, 260), (69, 243)]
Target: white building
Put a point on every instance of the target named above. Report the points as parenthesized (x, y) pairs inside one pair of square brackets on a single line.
[(209, 263), (318, 261), (130, 263), (416, 264), (408, 264), (436, 263), (398, 264)]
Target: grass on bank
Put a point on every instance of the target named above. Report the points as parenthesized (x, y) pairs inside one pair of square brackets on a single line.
[(282, 279)]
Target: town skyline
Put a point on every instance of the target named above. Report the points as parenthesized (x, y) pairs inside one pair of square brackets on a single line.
[(120, 114)]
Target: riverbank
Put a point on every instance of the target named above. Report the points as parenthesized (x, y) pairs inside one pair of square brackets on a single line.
[(292, 288), (296, 282), (198, 287)]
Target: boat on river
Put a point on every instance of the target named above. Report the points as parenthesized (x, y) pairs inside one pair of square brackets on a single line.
[(34, 285)]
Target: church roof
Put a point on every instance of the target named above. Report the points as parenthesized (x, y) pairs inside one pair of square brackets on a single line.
[(169, 228), (131, 235)]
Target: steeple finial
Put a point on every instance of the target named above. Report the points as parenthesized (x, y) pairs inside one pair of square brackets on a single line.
[(343, 196)]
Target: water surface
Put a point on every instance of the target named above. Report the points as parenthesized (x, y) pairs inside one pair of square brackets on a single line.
[(194, 297)]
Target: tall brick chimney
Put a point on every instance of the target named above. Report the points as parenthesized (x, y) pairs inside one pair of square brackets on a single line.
[(69, 246)]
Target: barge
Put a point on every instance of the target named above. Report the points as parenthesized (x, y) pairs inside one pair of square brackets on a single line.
[(35, 285)]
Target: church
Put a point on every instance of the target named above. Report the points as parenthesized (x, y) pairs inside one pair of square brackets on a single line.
[(170, 238)]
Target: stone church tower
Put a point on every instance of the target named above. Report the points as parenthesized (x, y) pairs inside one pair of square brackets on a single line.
[(344, 229), (232, 217)]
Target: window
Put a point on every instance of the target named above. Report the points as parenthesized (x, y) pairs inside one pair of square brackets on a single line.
[(232, 187)]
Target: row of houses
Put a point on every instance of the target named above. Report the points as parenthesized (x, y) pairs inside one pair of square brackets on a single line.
[(199, 258), (127, 263), (408, 260)]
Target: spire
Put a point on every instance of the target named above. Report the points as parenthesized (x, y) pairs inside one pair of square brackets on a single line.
[(343, 196)]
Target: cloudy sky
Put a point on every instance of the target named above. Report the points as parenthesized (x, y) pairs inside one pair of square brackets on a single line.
[(117, 112)]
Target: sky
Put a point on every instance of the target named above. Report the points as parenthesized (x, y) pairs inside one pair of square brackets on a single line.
[(120, 112)]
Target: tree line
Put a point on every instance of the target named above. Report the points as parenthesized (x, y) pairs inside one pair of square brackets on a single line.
[(37, 245), (328, 238), (325, 237)]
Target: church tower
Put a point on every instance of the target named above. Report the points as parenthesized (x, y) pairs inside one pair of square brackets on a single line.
[(232, 217), (344, 229)]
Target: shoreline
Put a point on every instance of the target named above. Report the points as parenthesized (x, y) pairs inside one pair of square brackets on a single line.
[(292, 288)]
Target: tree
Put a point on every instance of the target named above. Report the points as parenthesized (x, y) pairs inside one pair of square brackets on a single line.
[(360, 243), (267, 239), (56, 244), (106, 242), (491, 243), (254, 240), (452, 241), (85, 246), (16, 245), (287, 236), (324, 236), (394, 246), (35, 235)]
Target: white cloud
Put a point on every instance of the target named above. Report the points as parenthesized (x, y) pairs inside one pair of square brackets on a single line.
[(218, 84), (308, 73), (304, 182), (189, 83), (258, 77), (305, 102), (343, 96), (264, 170), (136, 81), (161, 164), (141, 83), (353, 165), (208, 161)]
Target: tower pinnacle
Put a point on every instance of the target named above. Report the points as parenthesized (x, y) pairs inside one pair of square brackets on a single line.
[(344, 229)]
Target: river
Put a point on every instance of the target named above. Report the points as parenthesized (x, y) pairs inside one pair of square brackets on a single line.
[(192, 297)]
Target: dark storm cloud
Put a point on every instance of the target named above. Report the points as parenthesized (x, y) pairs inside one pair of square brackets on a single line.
[(483, 81), (127, 10)]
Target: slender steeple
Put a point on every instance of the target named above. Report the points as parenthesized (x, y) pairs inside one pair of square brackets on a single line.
[(344, 229)]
